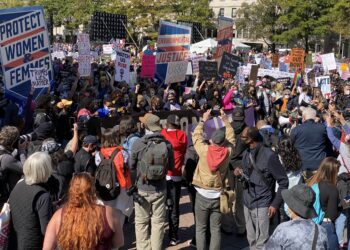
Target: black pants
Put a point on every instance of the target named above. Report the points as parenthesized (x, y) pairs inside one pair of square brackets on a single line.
[(173, 203)]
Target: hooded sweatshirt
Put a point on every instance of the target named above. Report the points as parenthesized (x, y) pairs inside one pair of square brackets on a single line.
[(178, 140)]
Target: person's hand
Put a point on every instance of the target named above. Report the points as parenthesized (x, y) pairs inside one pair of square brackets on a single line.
[(237, 172), (137, 88), (339, 117), (272, 211), (206, 115), (75, 127), (223, 116), (22, 146)]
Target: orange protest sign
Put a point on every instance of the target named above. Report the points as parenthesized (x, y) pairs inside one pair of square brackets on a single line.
[(297, 58)]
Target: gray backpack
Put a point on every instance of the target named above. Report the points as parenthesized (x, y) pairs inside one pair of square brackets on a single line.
[(154, 161)]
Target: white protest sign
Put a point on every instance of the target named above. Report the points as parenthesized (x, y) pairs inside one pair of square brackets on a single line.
[(189, 69), (122, 66), (84, 65), (107, 49), (324, 83), (83, 42), (39, 78), (328, 61), (176, 72), (58, 55)]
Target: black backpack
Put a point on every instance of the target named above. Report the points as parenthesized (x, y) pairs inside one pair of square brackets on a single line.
[(271, 140), (107, 185)]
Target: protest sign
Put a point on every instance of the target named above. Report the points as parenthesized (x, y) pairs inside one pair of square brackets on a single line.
[(24, 44), (274, 73), (58, 55), (148, 66), (39, 78), (208, 70), (254, 73), (224, 37), (107, 49), (189, 68), (297, 58), (328, 61), (83, 42), (122, 66), (324, 83), (229, 64), (195, 63), (173, 45), (176, 72), (84, 65)]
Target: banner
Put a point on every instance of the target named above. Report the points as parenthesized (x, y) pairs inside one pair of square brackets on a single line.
[(328, 62), (208, 70), (39, 78), (274, 73), (24, 44), (224, 37), (297, 58), (173, 45), (148, 66), (324, 83), (122, 66), (229, 64)]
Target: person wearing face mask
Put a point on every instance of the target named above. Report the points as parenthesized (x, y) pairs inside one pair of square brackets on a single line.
[(261, 169), (232, 99), (285, 100), (343, 99), (263, 101)]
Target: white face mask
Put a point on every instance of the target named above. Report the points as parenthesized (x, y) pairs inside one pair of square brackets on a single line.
[(286, 96), (347, 92), (235, 92)]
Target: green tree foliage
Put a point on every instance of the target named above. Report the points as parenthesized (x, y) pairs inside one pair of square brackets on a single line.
[(260, 19), (340, 17)]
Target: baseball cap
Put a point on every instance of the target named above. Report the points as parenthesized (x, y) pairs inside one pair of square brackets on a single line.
[(90, 139), (151, 121), (173, 119)]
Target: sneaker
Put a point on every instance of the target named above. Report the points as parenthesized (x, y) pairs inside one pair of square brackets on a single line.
[(192, 243), (174, 242)]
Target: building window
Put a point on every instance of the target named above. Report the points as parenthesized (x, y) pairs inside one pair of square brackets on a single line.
[(234, 12), (221, 12)]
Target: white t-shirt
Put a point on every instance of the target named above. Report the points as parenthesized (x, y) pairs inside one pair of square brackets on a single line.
[(208, 193)]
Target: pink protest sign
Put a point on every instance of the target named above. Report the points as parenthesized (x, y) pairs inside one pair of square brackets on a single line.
[(148, 66)]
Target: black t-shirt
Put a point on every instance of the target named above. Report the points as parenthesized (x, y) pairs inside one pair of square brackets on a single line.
[(84, 162)]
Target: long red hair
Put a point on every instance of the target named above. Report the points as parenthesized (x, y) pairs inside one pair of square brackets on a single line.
[(82, 221)]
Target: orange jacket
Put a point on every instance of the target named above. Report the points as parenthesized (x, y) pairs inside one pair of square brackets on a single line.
[(123, 172)]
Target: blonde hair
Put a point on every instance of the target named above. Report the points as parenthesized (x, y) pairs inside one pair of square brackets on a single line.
[(37, 168)]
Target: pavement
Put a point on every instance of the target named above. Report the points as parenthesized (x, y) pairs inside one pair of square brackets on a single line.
[(186, 231)]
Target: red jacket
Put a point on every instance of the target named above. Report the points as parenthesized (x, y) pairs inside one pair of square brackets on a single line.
[(178, 140)]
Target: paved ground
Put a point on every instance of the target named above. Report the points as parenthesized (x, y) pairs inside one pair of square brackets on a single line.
[(186, 231)]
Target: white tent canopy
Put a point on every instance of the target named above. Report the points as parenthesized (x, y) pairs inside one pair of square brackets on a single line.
[(240, 46), (202, 46)]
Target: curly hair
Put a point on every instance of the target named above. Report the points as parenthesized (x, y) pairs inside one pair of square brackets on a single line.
[(8, 136), (289, 155), (82, 221)]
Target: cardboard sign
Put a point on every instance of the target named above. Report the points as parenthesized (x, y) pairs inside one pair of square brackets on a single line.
[(324, 83), (84, 65), (254, 73), (173, 45), (39, 78), (83, 42), (229, 64), (176, 72), (328, 62), (148, 66), (122, 66), (24, 44), (297, 58), (208, 70)]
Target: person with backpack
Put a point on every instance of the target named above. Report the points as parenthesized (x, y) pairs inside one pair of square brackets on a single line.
[(113, 168), (209, 179), (324, 184), (85, 157), (178, 140), (152, 156)]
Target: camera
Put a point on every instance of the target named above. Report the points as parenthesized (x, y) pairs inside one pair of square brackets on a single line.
[(27, 138), (133, 191), (244, 179)]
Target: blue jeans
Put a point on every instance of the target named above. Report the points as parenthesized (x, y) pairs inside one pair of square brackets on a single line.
[(340, 225), (331, 235)]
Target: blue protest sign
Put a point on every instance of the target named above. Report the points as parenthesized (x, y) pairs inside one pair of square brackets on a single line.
[(24, 44)]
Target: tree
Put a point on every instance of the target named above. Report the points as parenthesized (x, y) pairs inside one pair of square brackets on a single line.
[(260, 19), (303, 20), (340, 17)]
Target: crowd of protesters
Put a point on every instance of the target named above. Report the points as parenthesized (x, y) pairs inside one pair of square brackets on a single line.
[(280, 149)]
